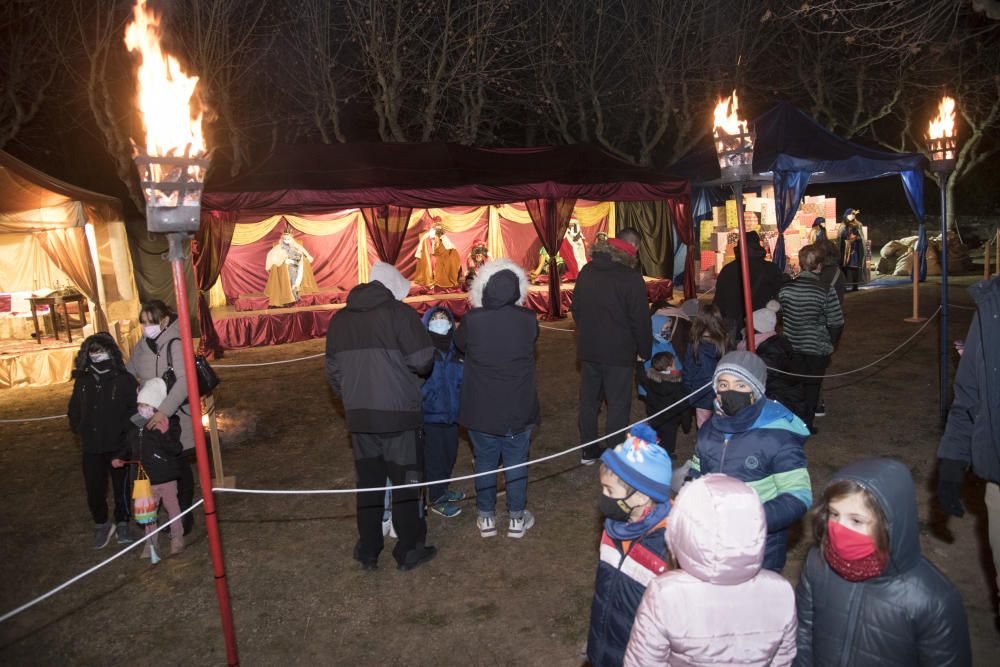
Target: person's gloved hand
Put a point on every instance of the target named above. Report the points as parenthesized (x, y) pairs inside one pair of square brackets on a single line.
[(951, 474)]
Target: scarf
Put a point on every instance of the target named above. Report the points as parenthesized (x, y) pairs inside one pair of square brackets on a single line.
[(636, 529), (854, 570)]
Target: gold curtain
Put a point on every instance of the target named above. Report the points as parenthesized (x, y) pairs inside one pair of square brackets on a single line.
[(451, 221), (246, 233), (68, 249), (508, 212), (363, 249), (494, 235), (588, 216), (333, 225), (24, 266)]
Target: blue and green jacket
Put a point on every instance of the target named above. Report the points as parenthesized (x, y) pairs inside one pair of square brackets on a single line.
[(762, 445)]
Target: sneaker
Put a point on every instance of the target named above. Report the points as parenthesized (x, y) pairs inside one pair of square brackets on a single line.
[(487, 526), (518, 527), (102, 534), (454, 496), (388, 530), (123, 534), (821, 410), (446, 509), (427, 555), (587, 461)]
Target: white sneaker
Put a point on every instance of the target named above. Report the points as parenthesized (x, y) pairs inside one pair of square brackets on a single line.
[(388, 530), (518, 527), (487, 526)]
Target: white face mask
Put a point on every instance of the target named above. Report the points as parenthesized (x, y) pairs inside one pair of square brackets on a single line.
[(440, 327), (151, 331), (98, 357)]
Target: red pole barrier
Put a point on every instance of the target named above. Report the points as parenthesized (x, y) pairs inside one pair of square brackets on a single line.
[(176, 257), (745, 268)]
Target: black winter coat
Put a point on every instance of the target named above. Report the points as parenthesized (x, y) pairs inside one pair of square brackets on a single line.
[(611, 311), (908, 616), (376, 350), (100, 407), (777, 353), (497, 337), (661, 393), (766, 280), (160, 453)]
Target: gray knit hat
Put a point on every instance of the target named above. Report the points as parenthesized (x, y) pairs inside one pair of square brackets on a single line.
[(745, 365)]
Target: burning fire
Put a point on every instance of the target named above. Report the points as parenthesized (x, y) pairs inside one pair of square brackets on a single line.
[(727, 117), (944, 124), (165, 91)]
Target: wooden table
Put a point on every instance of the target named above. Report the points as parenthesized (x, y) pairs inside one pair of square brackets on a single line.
[(54, 301)]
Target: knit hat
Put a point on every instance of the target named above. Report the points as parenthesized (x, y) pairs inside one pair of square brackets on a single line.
[(391, 278), (152, 392), (641, 463), (745, 365), (766, 319)]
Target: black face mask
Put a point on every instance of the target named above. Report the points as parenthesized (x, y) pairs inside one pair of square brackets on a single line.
[(733, 402), (101, 367), (616, 509)]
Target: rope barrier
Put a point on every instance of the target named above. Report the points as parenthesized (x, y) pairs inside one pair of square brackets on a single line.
[(31, 419), (463, 478), (14, 612), (545, 326), (270, 363)]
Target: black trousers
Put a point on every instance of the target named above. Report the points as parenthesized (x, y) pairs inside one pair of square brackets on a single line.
[(613, 384), (398, 457), (185, 489), (96, 469), (440, 452), (810, 364), (852, 275)]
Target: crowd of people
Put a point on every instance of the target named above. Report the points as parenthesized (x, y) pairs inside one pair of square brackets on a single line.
[(684, 576)]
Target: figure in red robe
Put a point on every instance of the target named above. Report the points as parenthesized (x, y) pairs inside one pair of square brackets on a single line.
[(573, 250)]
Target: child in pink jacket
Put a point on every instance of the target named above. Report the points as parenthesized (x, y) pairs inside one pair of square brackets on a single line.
[(720, 607)]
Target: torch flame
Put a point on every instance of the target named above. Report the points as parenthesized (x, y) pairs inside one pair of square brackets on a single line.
[(727, 117), (165, 91), (944, 124)]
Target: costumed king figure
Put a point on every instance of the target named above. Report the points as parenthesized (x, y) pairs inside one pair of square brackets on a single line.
[(478, 256), (289, 272), (438, 264), (573, 250), (853, 249)]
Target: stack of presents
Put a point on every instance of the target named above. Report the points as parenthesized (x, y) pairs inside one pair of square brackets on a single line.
[(719, 235)]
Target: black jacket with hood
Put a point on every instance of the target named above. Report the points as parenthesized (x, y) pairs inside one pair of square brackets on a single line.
[(100, 407), (377, 349), (159, 452), (611, 310), (497, 337), (909, 615), (766, 280)]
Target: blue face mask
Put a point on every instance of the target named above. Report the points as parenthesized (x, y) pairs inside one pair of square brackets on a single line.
[(440, 327)]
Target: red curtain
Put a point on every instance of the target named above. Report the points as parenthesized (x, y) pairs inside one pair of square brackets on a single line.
[(550, 218), (680, 213), (209, 249), (386, 228)]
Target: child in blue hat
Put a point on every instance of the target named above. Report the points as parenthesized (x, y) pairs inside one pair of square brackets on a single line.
[(635, 500)]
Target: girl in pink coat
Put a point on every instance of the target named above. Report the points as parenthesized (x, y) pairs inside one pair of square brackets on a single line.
[(720, 608)]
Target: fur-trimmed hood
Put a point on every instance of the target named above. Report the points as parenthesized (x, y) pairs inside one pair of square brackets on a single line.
[(616, 255), (499, 294)]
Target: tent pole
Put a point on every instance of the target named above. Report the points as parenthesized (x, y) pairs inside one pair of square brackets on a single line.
[(943, 402), (744, 267), (916, 289), (176, 257)]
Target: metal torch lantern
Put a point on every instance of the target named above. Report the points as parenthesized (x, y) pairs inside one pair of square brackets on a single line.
[(943, 152), (735, 153), (172, 187)]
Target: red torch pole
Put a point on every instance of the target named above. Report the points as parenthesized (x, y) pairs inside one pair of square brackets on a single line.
[(176, 257), (745, 268)]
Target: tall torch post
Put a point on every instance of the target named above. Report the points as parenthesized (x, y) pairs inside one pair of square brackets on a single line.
[(172, 173), (943, 147), (734, 147)]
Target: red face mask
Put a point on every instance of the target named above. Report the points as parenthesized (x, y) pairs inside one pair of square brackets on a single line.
[(849, 544), (851, 554)]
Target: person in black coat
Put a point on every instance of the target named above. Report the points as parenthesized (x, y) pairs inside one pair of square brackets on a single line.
[(611, 311), (664, 387), (766, 280), (777, 353), (867, 597), (499, 399), (99, 409)]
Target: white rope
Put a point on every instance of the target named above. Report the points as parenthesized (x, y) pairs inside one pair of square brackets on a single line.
[(463, 477), (270, 363), (866, 366), (543, 326), (30, 419), (14, 612)]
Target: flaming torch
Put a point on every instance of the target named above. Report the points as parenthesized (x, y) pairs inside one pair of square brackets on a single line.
[(172, 168), (734, 146), (942, 143)]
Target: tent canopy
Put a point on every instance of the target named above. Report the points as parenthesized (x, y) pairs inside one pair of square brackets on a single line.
[(51, 230), (791, 150)]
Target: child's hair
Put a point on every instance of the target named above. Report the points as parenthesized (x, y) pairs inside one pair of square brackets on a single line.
[(608, 472), (662, 361), (155, 310), (820, 512), (99, 342), (708, 324)]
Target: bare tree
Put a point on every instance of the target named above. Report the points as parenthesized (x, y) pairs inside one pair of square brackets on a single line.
[(27, 65)]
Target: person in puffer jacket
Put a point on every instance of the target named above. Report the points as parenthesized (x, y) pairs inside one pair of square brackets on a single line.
[(757, 441), (720, 607), (867, 597), (635, 501)]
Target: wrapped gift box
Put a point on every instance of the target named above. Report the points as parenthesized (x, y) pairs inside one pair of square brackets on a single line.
[(719, 241), (708, 259), (719, 216), (720, 261)]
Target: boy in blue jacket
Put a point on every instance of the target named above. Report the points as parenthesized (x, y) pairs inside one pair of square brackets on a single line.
[(441, 393), (757, 441), (635, 501)]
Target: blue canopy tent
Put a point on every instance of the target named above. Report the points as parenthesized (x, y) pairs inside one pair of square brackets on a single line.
[(792, 150)]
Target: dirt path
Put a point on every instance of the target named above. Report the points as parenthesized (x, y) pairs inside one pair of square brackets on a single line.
[(300, 599)]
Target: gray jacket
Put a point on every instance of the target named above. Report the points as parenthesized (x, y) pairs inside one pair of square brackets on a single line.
[(910, 615), (146, 364)]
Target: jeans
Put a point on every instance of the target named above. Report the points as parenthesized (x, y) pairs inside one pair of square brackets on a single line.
[(810, 364), (96, 469), (489, 449), (440, 452), (614, 384), (396, 456)]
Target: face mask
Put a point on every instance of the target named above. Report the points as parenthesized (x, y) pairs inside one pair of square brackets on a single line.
[(98, 357), (151, 331), (440, 327), (615, 509), (147, 411), (849, 544), (731, 402)]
